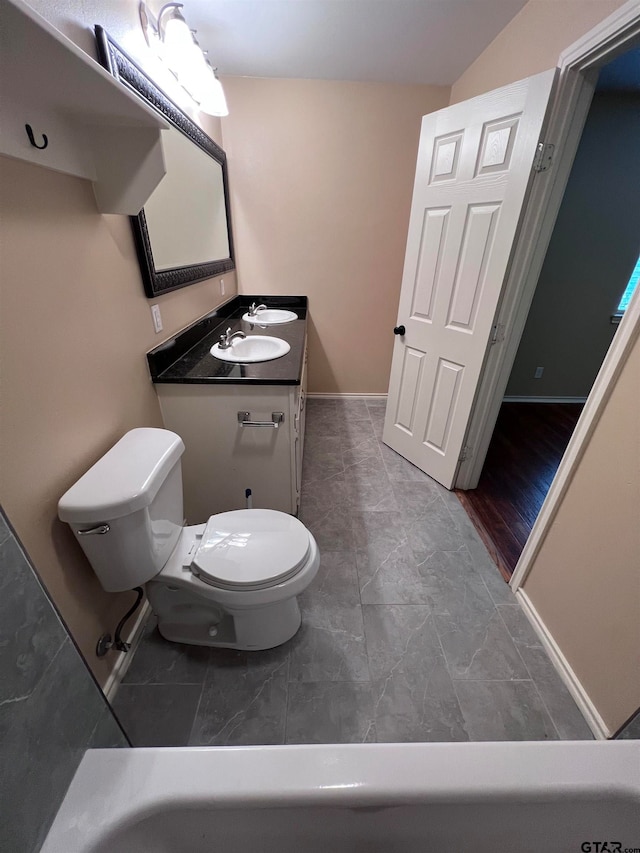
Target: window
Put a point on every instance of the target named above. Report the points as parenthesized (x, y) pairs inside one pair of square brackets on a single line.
[(628, 293)]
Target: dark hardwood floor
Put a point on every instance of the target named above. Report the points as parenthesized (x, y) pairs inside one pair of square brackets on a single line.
[(527, 445)]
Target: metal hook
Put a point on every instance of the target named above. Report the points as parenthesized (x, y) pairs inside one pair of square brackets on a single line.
[(32, 139)]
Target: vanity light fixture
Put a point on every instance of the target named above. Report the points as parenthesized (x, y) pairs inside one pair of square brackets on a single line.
[(176, 44)]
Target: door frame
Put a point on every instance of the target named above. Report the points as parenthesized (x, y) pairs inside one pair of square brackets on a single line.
[(578, 66)]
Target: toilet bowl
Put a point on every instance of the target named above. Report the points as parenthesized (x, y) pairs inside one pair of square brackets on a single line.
[(232, 582)]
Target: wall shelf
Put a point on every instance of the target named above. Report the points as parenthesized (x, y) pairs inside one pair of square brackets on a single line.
[(96, 128)]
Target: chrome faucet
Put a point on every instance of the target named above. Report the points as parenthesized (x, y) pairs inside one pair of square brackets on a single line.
[(253, 309), (227, 339)]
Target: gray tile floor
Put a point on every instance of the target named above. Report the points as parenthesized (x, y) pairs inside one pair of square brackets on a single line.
[(409, 632)]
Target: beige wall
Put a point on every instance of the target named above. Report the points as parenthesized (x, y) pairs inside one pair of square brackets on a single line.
[(593, 250), (531, 42), (321, 179), (75, 326), (585, 582)]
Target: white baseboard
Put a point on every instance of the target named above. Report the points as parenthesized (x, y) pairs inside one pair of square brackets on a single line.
[(514, 399), (123, 661), (593, 719), (317, 396)]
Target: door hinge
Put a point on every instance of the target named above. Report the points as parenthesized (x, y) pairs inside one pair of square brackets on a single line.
[(467, 453), (544, 157), (497, 333)]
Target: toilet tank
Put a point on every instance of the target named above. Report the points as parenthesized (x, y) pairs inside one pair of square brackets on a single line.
[(126, 511)]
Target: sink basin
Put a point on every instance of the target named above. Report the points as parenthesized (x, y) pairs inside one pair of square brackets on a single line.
[(252, 348), (270, 317)]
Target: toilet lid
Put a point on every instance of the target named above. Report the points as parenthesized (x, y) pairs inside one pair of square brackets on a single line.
[(250, 549)]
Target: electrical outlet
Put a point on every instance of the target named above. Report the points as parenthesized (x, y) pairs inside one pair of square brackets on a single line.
[(221, 287), (157, 318), (538, 373)]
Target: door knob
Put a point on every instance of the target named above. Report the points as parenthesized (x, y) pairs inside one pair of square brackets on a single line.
[(399, 330)]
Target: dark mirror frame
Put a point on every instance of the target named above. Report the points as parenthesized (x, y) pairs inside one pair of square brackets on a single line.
[(157, 282)]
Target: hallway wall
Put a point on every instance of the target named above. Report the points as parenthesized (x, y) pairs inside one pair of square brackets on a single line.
[(584, 582), (592, 252), (531, 42)]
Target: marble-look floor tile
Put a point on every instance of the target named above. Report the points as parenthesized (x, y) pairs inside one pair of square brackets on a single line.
[(244, 700), (157, 714), (336, 584), (498, 588), (321, 419), (476, 644), (377, 421), (400, 639), (474, 639), (564, 712), (452, 584), (368, 488), (418, 710), (504, 710), (329, 646), (372, 495), (323, 509), (414, 497), (399, 468), (330, 712), (431, 529), (322, 458), (107, 733), (352, 407), (376, 405), (387, 569), (159, 661), (413, 695), (318, 497), (356, 451), (353, 432), (4, 529), (631, 731)]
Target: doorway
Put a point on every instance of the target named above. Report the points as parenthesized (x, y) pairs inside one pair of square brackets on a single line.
[(591, 261)]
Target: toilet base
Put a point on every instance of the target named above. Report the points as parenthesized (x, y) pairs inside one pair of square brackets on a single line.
[(183, 618)]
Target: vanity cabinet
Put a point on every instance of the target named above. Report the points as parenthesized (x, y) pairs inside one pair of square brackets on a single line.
[(227, 453)]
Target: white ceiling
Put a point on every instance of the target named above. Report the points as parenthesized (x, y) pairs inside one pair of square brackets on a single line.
[(395, 41)]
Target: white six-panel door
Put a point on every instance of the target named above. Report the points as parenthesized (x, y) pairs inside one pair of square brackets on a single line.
[(474, 166)]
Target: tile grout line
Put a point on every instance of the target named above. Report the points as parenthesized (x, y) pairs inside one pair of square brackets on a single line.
[(535, 683), (286, 705), (197, 710)]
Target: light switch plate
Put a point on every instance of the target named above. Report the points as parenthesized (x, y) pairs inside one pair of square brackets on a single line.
[(157, 318)]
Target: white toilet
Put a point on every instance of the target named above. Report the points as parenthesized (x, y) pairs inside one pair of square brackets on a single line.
[(231, 582)]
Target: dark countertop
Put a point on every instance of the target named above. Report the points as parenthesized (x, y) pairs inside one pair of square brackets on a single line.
[(185, 358)]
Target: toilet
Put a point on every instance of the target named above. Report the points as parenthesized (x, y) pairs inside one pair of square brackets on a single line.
[(232, 582)]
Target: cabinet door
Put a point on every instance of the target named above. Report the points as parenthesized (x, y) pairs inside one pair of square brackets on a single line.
[(298, 409), (222, 458)]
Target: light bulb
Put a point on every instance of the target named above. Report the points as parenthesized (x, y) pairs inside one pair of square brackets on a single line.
[(193, 72), (178, 42), (213, 101)]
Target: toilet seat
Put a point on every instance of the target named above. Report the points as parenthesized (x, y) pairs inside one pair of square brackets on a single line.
[(250, 549)]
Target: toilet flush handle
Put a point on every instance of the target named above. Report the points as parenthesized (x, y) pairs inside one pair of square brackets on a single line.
[(101, 528)]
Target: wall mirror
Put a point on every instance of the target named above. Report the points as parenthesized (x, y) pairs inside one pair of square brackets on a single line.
[(183, 234)]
